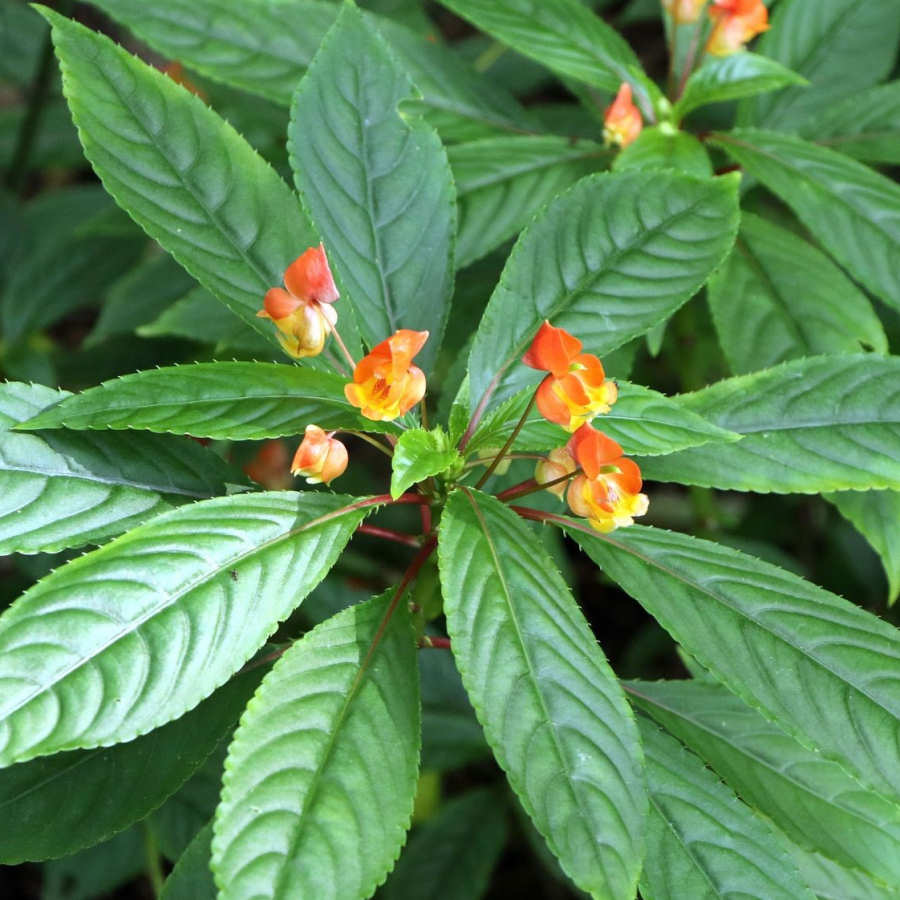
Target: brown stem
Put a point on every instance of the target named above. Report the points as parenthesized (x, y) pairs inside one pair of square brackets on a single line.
[(509, 442), (479, 411), (472, 463), (387, 451), (390, 535), (434, 643), (343, 346), (532, 487)]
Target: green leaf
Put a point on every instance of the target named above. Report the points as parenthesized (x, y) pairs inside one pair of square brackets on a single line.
[(665, 148), (643, 421), (264, 47), (732, 77), (777, 297), (452, 855), (552, 709), (827, 423), (68, 801), (418, 455), (321, 775), (502, 182), (67, 490), (565, 36), (192, 879), (853, 211), (376, 182), (607, 260), (840, 46), (702, 842), (63, 261), (831, 881), (229, 400), (812, 799), (865, 126), (875, 515), (826, 671), (159, 618), (170, 162)]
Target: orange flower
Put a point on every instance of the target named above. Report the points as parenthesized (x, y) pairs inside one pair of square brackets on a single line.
[(734, 23), (270, 466), (608, 493), (622, 121), (385, 383), (559, 462), (576, 389), (683, 12), (320, 458), (303, 313)]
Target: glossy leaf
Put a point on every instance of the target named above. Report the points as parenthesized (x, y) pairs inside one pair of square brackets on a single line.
[(831, 881), (821, 424), (777, 297), (453, 854), (158, 618), (875, 514), (502, 182), (665, 148), (419, 454), (170, 162), (607, 260), (68, 801), (550, 706), (641, 420), (565, 36), (68, 490), (840, 46), (231, 400), (865, 126), (853, 211), (812, 799), (820, 667), (377, 184), (192, 878), (702, 842), (732, 77), (321, 775)]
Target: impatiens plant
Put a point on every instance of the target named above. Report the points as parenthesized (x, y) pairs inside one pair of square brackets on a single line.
[(325, 506)]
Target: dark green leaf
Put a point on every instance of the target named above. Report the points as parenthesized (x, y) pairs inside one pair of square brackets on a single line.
[(865, 126), (192, 878), (665, 148)]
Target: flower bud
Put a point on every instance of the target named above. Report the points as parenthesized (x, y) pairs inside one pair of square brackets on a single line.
[(320, 458), (559, 462), (622, 121)]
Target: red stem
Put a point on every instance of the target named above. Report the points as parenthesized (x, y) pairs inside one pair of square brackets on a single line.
[(435, 643), (479, 411), (390, 535)]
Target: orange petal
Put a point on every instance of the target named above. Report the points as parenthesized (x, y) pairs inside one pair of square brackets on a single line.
[(308, 277), (552, 349), (413, 389), (593, 450), (279, 304), (550, 406), (628, 478)]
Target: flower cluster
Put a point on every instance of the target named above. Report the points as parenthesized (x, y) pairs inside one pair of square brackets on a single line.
[(604, 485), (734, 23), (385, 382)]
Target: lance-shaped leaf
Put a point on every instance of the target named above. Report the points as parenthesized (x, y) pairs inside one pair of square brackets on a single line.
[(552, 709), (827, 423), (813, 800), (643, 421), (875, 514), (832, 881), (452, 855), (264, 47), (567, 37), (321, 775), (732, 77), (825, 670), (181, 172), (607, 260), (865, 126), (67, 490), (192, 878), (853, 211), (68, 801), (502, 182), (702, 842), (665, 148), (127, 638), (777, 297), (841, 46), (229, 400), (419, 454), (376, 183)]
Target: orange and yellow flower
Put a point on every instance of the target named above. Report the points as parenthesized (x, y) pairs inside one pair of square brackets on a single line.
[(320, 458), (385, 382), (270, 466), (303, 313), (608, 493), (734, 23), (576, 389), (684, 12), (622, 121)]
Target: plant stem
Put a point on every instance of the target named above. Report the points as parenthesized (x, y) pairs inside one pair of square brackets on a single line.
[(390, 535), (532, 487), (343, 346), (673, 53), (479, 411), (424, 409), (153, 870), (689, 61), (434, 643), (387, 451), (472, 463), (485, 60), (509, 442)]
